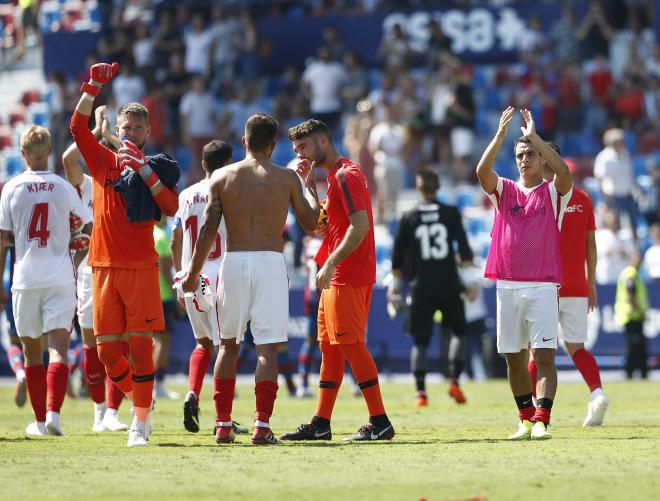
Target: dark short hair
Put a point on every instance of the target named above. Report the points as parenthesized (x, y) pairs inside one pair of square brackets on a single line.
[(260, 131), (309, 128), (430, 181), (133, 109), (521, 139), (554, 147), (216, 153)]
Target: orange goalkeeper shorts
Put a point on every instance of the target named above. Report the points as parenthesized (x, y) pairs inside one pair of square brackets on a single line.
[(126, 300), (343, 314)]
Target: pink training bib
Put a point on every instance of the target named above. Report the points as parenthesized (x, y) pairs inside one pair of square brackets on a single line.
[(525, 236)]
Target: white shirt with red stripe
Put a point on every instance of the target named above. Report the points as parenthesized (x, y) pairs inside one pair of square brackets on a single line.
[(35, 206), (190, 217)]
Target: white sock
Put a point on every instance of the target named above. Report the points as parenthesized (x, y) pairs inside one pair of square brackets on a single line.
[(597, 393), (20, 375), (111, 412), (261, 424), (99, 407)]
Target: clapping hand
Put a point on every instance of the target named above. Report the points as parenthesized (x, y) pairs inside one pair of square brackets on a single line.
[(528, 128), (505, 119)]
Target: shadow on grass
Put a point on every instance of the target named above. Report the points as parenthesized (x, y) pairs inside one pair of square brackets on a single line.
[(320, 444), (20, 439)]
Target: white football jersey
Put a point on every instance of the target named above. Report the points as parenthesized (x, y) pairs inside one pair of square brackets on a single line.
[(35, 206), (190, 217), (85, 192)]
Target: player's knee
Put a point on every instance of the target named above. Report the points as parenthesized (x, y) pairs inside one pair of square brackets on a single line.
[(206, 344), (110, 352), (141, 349), (544, 358)]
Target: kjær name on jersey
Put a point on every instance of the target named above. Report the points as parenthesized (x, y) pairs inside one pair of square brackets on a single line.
[(36, 187)]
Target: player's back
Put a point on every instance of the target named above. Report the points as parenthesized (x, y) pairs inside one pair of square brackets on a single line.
[(430, 232), (255, 199), (36, 205), (192, 214)]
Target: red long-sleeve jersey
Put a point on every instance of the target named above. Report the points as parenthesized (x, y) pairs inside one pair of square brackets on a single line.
[(116, 242)]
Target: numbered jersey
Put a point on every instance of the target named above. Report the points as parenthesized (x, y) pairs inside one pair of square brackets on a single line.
[(425, 245), (84, 190), (190, 217), (35, 206)]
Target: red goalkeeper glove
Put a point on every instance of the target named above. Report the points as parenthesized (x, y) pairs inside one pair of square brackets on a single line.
[(79, 242), (75, 222), (99, 74), (131, 156)]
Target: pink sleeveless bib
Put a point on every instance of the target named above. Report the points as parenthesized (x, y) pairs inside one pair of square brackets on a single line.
[(525, 237)]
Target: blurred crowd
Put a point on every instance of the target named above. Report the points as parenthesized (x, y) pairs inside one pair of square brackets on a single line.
[(591, 77)]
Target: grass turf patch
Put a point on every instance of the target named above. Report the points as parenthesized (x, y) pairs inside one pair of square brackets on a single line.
[(444, 451)]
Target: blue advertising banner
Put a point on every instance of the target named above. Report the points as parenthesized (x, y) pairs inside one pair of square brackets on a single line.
[(478, 35), (391, 347)]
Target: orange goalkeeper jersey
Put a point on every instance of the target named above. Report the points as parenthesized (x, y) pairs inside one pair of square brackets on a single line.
[(116, 242)]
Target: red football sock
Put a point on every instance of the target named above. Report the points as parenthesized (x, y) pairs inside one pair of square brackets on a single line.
[(35, 377), (140, 350), (266, 392), (366, 374), (198, 365), (330, 377), (542, 415), (533, 371), (586, 364), (56, 381), (223, 396), (94, 374), (115, 395)]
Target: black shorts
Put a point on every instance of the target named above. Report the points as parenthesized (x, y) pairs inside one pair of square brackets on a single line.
[(423, 308)]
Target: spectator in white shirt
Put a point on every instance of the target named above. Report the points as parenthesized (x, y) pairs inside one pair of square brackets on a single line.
[(387, 141), (128, 86), (198, 119), (613, 251), (614, 170), (197, 40), (652, 255), (324, 79), (225, 46)]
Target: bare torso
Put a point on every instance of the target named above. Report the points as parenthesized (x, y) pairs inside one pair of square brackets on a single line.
[(254, 197)]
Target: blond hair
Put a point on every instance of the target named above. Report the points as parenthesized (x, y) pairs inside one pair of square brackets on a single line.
[(35, 141), (136, 109)]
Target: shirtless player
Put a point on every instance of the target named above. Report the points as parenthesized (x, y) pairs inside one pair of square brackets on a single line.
[(253, 196)]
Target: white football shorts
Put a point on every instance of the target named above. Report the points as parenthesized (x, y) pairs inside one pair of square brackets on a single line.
[(38, 311), (573, 312), (205, 324), (254, 286), (527, 316), (85, 308)]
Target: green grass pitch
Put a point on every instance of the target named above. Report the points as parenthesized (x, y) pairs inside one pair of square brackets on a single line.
[(441, 452)]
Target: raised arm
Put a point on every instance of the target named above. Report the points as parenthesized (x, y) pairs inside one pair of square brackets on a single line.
[(97, 156), (305, 204), (487, 176), (206, 239), (357, 230), (563, 178)]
